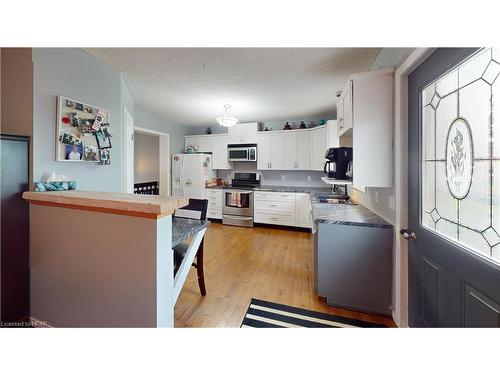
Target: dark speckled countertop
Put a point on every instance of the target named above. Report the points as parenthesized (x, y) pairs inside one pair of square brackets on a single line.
[(294, 189), (182, 229), (345, 214)]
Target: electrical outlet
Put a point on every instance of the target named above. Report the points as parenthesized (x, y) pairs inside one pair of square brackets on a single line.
[(309, 178), (376, 196), (282, 177), (392, 203)]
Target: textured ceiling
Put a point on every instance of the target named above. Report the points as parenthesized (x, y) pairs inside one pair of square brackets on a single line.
[(190, 85)]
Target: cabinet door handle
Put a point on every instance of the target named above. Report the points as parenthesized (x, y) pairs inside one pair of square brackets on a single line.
[(273, 205)]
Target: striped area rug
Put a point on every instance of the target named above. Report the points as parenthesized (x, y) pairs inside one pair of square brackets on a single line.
[(263, 314)]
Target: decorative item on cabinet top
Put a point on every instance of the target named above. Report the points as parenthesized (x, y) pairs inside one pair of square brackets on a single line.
[(83, 133)]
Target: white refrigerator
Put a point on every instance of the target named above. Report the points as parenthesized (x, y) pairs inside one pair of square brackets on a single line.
[(189, 173)]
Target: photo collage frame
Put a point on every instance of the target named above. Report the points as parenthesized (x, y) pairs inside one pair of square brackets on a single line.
[(83, 133)]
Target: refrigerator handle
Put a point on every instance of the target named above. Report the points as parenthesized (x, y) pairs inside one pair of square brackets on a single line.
[(181, 170)]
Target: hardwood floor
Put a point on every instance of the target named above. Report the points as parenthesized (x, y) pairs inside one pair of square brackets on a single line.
[(240, 263)]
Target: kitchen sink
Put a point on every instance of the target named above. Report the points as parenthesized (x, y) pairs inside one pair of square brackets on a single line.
[(333, 199)]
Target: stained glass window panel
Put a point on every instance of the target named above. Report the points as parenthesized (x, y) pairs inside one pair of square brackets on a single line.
[(460, 191)]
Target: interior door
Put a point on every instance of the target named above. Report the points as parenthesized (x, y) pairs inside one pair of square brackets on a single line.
[(454, 189)]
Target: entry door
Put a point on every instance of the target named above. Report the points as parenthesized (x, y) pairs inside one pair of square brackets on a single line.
[(454, 189)]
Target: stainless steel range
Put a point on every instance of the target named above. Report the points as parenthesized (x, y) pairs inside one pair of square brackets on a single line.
[(237, 205)]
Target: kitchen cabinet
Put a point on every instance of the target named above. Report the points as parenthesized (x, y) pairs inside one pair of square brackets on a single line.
[(243, 133), (214, 209), (282, 208), (333, 135), (303, 213), (219, 152), (353, 266), (203, 143), (372, 128), (297, 150), (274, 208), (270, 151), (263, 151), (319, 144), (345, 113), (276, 151), (215, 144)]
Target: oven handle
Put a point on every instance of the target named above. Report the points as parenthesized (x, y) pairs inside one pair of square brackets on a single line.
[(239, 191), (236, 217)]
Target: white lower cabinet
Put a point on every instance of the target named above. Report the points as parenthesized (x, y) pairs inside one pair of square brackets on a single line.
[(214, 210), (303, 215), (290, 209)]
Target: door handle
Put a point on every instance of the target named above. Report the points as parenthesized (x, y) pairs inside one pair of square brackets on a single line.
[(407, 235)]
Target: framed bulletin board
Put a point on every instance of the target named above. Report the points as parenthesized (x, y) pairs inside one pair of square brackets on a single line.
[(82, 132)]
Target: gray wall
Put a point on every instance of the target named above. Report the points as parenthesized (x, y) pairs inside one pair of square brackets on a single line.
[(73, 73), (146, 157), (155, 122), (387, 58)]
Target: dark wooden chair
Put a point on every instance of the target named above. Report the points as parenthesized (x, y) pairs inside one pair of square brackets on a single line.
[(196, 209)]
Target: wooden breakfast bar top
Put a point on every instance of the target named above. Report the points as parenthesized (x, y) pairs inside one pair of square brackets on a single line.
[(147, 206)]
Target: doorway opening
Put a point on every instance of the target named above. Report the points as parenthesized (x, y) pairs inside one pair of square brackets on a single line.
[(151, 162)]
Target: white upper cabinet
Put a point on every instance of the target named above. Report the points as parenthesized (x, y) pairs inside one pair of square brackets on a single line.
[(243, 133), (203, 143), (303, 150), (372, 124), (215, 144), (263, 151), (319, 144), (345, 109), (333, 135), (276, 145), (297, 149), (290, 149), (270, 150), (219, 152)]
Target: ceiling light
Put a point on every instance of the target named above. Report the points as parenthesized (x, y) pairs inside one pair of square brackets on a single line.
[(226, 119)]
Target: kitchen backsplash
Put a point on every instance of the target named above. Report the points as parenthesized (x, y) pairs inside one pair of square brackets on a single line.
[(275, 178)]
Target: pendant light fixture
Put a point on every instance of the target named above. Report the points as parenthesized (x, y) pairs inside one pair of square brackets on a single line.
[(226, 119)]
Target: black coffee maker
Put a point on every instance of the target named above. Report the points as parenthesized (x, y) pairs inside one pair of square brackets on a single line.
[(339, 164)]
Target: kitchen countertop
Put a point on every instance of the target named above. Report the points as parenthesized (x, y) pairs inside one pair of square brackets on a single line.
[(149, 206), (345, 214), (183, 228)]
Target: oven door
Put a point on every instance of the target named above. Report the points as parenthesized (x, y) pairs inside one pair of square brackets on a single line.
[(238, 202), (237, 154)]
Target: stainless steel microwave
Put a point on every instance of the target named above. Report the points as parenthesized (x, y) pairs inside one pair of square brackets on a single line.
[(242, 152)]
